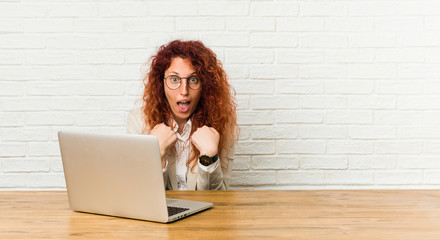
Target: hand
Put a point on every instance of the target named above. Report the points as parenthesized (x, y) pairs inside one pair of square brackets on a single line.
[(206, 139), (167, 138)]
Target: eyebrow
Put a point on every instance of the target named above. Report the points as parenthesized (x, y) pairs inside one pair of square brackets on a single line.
[(173, 72)]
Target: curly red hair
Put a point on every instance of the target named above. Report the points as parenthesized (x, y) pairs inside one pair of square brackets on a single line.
[(216, 107)]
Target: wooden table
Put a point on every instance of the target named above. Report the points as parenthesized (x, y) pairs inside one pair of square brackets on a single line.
[(348, 214)]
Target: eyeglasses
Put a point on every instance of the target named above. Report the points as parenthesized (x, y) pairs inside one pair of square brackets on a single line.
[(173, 82)]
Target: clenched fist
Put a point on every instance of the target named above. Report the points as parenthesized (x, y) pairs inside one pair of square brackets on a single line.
[(206, 139), (167, 138)]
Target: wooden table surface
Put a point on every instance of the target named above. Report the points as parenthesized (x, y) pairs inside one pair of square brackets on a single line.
[(326, 214)]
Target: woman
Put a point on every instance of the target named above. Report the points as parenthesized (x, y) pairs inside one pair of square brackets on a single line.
[(187, 104)]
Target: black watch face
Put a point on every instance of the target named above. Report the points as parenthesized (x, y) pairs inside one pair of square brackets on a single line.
[(205, 160)]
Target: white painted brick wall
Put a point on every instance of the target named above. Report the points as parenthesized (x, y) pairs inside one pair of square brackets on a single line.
[(331, 94)]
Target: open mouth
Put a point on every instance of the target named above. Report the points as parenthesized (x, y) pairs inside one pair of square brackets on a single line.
[(183, 106)]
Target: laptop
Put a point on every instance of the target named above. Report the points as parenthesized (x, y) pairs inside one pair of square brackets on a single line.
[(119, 175)]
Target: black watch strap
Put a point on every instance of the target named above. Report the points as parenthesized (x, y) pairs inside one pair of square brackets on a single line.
[(206, 160)]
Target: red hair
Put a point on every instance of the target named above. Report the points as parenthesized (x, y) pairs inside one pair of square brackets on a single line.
[(216, 107)]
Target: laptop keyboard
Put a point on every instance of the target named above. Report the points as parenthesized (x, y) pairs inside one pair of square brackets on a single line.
[(175, 210)]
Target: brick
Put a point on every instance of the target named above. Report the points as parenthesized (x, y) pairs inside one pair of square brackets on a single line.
[(249, 56), (372, 102), (419, 162), (241, 162), (431, 56), (254, 24), (122, 72), (274, 102), (399, 87), (73, 10), (40, 149), (373, 40), (349, 117), (243, 102), (269, 71), (226, 39), (38, 88), (11, 119), (45, 181), (23, 41), (423, 102), (271, 132), (344, 177), (300, 24), (116, 103), (322, 40), (326, 71), (199, 24), (322, 132), (349, 87), (432, 23), (11, 88), (99, 119), (49, 118), (423, 132), (245, 133), (417, 71), (300, 177), (349, 24), (126, 9), (99, 26), (299, 86), (350, 147), (49, 58), (255, 147), (267, 9), (13, 180), (300, 56), (253, 86), (253, 177), (350, 55), (432, 147), (254, 117), (372, 8), (399, 24), (23, 10), (101, 57), (150, 24), (399, 147), (124, 41), (431, 117), (224, 9), (174, 9), (12, 57), (416, 8), (373, 71), (431, 177), (274, 162), (371, 132), (323, 101), (72, 73), (301, 146), (371, 162), (398, 177), (323, 162), (74, 103), (56, 165), (16, 165), (295, 116), (24, 134), (13, 25), (387, 117), (73, 42), (137, 56), (49, 25), (323, 9), (274, 40), (12, 149), (19, 104)]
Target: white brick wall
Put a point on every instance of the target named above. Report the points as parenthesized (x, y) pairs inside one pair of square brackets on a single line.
[(331, 94)]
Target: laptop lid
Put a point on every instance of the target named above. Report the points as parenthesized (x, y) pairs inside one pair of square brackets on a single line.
[(118, 175)]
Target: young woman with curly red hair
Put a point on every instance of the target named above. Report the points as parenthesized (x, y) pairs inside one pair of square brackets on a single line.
[(189, 105)]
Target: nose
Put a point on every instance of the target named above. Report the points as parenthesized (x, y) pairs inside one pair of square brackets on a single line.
[(184, 86)]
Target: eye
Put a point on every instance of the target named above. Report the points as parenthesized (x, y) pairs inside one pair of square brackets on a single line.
[(194, 80), (174, 79)]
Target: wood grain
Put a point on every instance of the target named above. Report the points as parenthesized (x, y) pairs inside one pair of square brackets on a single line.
[(328, 214)]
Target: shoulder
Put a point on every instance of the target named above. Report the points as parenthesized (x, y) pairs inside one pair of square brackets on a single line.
[(136, 122)]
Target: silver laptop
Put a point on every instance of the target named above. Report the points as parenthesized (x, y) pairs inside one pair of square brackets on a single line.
[(119, 175)]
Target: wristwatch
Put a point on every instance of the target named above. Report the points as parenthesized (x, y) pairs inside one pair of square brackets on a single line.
[(207, 160)]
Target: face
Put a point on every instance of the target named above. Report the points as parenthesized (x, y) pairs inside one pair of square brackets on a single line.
[(183, 100)]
